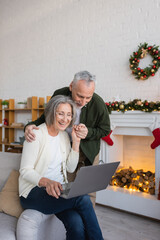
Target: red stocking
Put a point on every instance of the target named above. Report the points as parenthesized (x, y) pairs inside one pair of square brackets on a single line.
[(107, 139), (156, 142)]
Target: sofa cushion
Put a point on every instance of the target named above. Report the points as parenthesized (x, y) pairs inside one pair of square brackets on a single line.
[(7, 227), (8, 162), (9, 198)]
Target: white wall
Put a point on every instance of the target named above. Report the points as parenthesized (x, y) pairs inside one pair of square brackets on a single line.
[(43, 43)]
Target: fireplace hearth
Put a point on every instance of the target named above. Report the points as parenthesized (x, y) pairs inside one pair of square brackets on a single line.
[(134, 180), (137, 195)]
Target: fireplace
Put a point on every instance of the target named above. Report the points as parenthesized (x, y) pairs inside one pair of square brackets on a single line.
[(132, 137)]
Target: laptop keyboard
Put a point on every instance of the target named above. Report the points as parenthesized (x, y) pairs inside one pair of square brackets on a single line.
[(66, 188), (66, 191)]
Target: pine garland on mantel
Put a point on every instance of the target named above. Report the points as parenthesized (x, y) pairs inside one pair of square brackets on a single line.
[(136, 104)]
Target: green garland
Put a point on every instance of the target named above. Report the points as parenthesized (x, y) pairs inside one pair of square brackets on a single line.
[(136, 104), (134, 60)]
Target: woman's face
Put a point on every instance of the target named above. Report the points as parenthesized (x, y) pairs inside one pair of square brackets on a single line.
[(63, 116)]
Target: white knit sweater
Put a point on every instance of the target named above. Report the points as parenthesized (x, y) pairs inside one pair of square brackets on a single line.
[(36, 158)]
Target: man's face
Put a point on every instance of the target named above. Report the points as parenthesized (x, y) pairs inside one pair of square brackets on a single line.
[(81, 92)]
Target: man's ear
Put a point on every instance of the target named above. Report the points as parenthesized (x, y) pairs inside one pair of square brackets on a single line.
[(70, 86)]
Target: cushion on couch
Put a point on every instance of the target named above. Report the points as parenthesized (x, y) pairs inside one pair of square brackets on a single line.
[(8, 162), (7, 227), (9, 198)]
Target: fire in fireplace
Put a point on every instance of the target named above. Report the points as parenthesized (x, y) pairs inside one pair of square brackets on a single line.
[(134, 180)]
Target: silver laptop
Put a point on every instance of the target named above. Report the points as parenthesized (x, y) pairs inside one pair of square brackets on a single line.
[(89, 179)]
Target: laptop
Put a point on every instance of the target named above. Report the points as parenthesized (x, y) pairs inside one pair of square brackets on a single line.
[(89, 179)]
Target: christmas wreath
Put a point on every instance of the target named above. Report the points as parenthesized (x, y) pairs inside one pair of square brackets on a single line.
[(134, 60)]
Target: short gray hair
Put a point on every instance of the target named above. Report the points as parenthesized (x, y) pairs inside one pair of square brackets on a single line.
[(84, 75), (52, 105)]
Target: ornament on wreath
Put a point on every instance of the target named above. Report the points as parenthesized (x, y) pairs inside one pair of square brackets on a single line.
[(142, 52)]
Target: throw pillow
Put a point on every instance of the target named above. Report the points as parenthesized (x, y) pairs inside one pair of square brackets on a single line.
[(9, 197)]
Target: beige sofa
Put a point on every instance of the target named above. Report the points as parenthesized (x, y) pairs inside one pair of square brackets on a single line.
[(14, 222)]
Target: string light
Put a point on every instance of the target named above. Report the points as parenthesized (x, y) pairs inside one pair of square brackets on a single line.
[(134, 180)]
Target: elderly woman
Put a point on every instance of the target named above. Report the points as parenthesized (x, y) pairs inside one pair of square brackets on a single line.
[(44, 164)]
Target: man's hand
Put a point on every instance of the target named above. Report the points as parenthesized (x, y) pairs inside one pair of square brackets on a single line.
[(81, 131), (29, 134)]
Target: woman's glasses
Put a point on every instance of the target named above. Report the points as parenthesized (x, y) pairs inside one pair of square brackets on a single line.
[(62, 115)]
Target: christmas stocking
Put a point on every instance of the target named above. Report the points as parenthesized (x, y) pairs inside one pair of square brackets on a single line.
[(108, 139), (154, 127), (156, 142)]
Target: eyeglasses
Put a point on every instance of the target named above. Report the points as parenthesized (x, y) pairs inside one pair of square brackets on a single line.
[(61, 115)]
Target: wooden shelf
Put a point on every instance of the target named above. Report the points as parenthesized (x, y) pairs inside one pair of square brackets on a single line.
[(13, 145), (35, 106), (5, 109), (22, 109), (17, 109), (38, 108), (4, 126)]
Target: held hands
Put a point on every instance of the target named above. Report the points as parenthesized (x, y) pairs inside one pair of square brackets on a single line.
[(81, 131), (53, 188), (29, 134)]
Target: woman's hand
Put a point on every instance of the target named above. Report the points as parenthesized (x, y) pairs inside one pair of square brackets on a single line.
[(75, 139), (53, 188)]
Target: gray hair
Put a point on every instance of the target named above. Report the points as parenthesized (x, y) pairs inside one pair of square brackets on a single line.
[(51, 108), (84, 75)]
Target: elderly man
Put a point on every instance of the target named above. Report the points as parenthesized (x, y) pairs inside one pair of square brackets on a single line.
[(92, 118)]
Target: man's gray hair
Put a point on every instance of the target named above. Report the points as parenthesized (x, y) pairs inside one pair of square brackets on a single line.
[(52, 105), (84, 75)]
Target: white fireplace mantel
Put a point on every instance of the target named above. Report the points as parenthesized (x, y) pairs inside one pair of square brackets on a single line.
[(131, 123), (134, 123)]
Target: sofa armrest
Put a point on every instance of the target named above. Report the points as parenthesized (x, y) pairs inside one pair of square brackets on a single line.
[(34, 225), (28, 224)]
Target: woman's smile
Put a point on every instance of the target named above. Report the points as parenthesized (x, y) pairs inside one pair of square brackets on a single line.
[(63, 116)]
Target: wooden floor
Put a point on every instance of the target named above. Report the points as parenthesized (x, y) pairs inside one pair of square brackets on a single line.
[(119, 225)]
